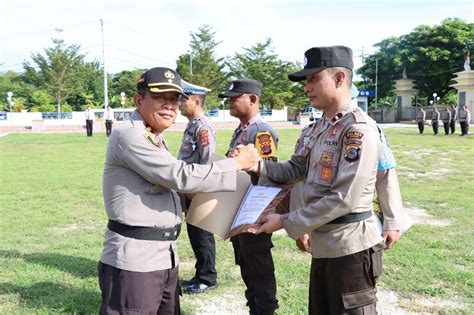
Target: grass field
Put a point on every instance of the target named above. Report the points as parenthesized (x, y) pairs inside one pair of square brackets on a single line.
[(52, 223)]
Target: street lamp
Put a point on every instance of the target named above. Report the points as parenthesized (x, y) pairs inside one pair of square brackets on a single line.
[(122, 101), (10, 101), (435, 98)]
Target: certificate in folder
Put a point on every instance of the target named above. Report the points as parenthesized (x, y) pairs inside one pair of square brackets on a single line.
[(230, 213)]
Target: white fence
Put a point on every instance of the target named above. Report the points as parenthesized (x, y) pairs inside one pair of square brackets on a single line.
[(37, 119)]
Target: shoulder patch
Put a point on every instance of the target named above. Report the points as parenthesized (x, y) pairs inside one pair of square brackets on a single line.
[(352, 151), (354, 135), (204, 137), (265, 144)]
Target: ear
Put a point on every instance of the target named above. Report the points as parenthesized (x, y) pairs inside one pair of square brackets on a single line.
[(137, 99), (253, 98), (339, 78)]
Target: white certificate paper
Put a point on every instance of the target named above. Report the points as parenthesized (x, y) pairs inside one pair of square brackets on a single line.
[(255, 201)]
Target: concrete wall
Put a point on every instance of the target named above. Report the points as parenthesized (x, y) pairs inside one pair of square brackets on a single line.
[(27, 119)]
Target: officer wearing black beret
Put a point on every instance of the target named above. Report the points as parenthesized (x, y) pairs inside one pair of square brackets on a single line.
[(198, 145), (253, 252), (138, 269), (339, 167)]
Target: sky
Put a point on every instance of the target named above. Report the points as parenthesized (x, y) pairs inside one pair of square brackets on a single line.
[(145, 34)]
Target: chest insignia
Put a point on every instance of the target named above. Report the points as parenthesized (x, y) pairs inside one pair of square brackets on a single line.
[(335, 130)]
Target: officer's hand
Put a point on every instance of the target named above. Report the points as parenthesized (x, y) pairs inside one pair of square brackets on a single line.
[(233, 153), (303, 243), (270, 223), (189, 196), (390, 238), (247, 158)]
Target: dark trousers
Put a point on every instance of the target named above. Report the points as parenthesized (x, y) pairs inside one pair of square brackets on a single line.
[(435, 126), (345, 285), (108, 127), (452, 124), (204, 248), (89, 123), (128, 292), (464, 127), (253, 255), (446, 128), (421, 127)]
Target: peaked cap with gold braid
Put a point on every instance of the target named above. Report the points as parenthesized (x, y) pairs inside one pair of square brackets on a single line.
[(161, 80)]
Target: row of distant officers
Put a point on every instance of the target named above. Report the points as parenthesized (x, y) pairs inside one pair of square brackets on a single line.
[(448, 116)]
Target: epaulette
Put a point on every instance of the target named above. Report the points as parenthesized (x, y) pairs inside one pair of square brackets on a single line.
[(308, 126), (359, 115)]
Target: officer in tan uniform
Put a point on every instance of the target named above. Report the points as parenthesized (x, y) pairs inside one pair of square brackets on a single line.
[(198, 144), (421, 120), (388, 190), (339, 166), (454, 116), (138, 269), (446, 120), (435, 116), (464, 120), (253, 252)]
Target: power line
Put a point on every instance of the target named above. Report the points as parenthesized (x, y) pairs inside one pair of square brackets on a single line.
[(144, 57)]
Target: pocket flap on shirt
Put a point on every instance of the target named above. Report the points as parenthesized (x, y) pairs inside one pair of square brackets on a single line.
[(359, 298)]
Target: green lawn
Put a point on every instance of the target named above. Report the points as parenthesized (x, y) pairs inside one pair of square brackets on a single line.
[(52, 223)]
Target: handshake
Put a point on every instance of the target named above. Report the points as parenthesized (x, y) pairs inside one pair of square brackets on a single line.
[(246, 157)]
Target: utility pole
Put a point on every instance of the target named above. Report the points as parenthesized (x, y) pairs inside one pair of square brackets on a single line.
[(191, 65), (106, 96), (376, 79)]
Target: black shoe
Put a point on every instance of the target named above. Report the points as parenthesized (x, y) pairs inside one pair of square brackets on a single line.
[(190, 281), (198, 287)]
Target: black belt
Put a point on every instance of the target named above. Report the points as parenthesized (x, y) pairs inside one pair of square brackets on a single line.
[(144, 232), (352, 217)]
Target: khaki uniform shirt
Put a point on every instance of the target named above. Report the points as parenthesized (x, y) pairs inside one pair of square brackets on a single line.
[(464, 116), (435, 116), (139, 185), (296, 194), (446, 117), (454, 114), (388, 189), (421, 116), (339, 166), (260, 134), (386, 185), (199, 141)]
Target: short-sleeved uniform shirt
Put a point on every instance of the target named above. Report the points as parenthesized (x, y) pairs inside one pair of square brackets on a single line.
[(199, 141)]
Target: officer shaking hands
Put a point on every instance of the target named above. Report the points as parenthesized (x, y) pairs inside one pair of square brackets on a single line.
[(138, 269), (253, 252), (339, 167)]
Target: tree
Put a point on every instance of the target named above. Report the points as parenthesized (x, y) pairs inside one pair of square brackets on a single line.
[(124, 81), (431, 54), (56, 72), (207, 70), (259, 62)]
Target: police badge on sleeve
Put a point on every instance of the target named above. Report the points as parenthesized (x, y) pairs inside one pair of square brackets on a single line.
[(352, 146), (264, 144)]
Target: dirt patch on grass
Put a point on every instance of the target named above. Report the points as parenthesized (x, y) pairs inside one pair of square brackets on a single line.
[(388, 303), (226, 303), (420, 216)]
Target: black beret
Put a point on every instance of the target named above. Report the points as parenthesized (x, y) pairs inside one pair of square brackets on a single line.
[(243, 86), (320, 58)]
